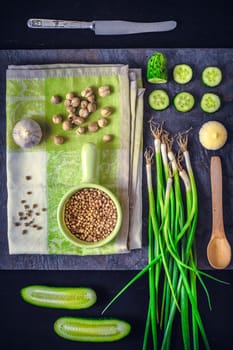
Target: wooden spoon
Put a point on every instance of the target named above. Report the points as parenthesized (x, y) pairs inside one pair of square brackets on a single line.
[(218, 249)]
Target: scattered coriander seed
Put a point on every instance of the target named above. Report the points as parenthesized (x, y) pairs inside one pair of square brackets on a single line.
[(23, 201), (17, 224), (25, 218), (104, 90), (75, 102), (70, 95), (37, 213), (20, 213), (67, 102), (106, 111), (91, 107), (87, 92), (84, 104), (34, 205), (57, 119), (39, 228), (26, 224), (34, 226), (107, 138), (78, 120), (24, 232), (93, 127), (58, 140), (43, 209), (26, 206), (91, 98), (28, 177), (83, 112), (29, 192), (81, 130), (71, 109), (66, 125), (102, 122), (55, 99)]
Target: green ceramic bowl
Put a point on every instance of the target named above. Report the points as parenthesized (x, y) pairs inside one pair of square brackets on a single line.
[(88, 160)]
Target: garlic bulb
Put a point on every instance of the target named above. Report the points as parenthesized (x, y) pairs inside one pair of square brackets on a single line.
[(27, 133)]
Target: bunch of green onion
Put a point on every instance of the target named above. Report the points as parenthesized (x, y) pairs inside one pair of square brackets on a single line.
[(172, 263)]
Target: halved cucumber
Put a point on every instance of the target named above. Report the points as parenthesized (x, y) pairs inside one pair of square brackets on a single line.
[(91, 330), (184, 101), (59, 297), (210, 102), (211, 76), (158, 100), (157, 71), (182, 73)]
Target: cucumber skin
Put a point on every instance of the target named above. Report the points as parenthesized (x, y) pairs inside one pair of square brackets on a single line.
[(75, 305), (157, 67), (91, 322)]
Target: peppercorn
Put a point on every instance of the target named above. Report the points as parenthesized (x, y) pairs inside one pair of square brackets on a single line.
[(55, 99)]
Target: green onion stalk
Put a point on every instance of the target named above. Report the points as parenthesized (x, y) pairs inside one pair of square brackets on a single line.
[(172, 222), (156, 131), (151, 316)]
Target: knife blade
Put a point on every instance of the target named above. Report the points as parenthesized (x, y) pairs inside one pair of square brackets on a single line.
[(103, 27)]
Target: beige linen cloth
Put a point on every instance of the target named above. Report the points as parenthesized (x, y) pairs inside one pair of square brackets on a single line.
[(39, 177)]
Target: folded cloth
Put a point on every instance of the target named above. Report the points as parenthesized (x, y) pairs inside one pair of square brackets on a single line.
[(37, 178)]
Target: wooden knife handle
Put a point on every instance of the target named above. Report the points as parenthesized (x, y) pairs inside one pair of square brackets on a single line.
[(216, 191)]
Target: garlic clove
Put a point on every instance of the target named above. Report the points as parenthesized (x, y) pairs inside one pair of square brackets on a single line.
[(27, 133)]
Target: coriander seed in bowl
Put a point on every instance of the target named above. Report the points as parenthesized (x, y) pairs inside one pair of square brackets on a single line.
[(90, 214)]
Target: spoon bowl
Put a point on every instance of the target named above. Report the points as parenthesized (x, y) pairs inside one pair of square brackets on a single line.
[(219, 253), (218, 249)]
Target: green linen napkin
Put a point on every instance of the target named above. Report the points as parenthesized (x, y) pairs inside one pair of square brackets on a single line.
[(40, 176)]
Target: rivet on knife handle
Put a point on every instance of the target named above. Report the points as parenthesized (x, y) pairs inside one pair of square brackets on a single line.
[(103, 27)]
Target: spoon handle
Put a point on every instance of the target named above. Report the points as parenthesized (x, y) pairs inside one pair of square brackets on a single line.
[(216, 191)]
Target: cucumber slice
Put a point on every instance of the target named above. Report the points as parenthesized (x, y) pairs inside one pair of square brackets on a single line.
[(91, 330), (157, 71), (211, 76), (158, 100), (182, 73), (210, 102), (184, 101), (59, 297)]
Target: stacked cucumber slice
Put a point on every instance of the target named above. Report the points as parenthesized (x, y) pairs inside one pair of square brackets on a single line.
[(157, 73)]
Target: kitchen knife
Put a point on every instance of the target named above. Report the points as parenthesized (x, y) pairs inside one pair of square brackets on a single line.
[(103, 27)]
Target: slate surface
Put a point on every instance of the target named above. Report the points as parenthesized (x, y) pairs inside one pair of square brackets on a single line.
[(174, 122)]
